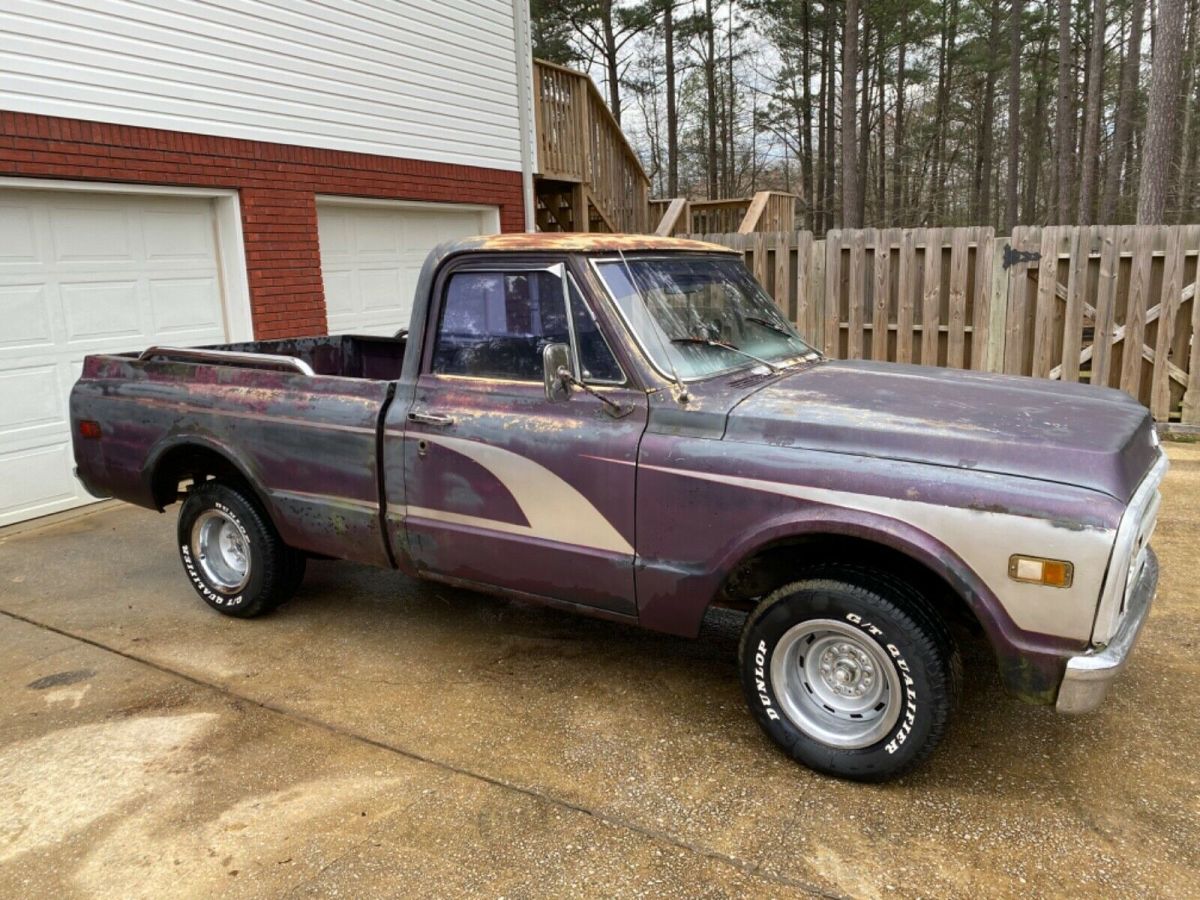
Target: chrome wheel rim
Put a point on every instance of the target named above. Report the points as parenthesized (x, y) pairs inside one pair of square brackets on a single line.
[(221, 550), (835, 684)]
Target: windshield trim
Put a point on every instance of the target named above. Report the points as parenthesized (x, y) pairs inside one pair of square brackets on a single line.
[(782, 364)]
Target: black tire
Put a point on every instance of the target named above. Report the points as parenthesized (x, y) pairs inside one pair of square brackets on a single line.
[(215, 511), (865, 623)]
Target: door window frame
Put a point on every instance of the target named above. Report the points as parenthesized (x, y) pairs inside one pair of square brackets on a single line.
[(566, 278)]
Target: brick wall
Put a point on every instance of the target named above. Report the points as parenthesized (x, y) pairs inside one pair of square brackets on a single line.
[(276, 183)]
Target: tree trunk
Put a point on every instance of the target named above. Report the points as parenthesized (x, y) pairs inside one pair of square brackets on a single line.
[(672, 106), (610, 60), (936, 178), (1187, 177), (850, 184), (864, 129), (830, 106), (1090, 157), (898, 139), (881, 176), (983, 167), (824, 102), (806, 155), (1014, 113), (1126, 103), (710, 88), (1033, 167), (1162, 118), (1064, 114)]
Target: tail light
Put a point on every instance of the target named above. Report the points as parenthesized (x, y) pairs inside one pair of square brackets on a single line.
[(90, 429)]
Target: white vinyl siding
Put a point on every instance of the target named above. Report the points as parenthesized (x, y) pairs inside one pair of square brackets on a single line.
[(424, 80)]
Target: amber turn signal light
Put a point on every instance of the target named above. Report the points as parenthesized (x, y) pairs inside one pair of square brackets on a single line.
[(1038, 570), (89, 429)]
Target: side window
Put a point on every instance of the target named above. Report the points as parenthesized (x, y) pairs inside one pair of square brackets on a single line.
[(595, 359), (495, 324)]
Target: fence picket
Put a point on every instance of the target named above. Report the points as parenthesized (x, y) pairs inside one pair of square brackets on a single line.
[(931, 296), (816, 292), (1047, 300), (833, 292), (981, 302), (882, 294), (783, 258), (957, 310), (1135, 310), (1018, 298), (906, 299), (1073, 318), (1190, 411), (1106, 304), (1172, 291), (856, 293)]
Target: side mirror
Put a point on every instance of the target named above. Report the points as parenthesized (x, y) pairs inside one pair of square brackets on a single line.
[(556, 371)]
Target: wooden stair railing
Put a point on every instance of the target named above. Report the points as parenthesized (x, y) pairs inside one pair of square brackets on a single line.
[(582, 152), (766, 211)]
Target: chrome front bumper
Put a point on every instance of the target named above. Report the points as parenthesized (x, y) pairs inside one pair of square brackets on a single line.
[(1089, 675)]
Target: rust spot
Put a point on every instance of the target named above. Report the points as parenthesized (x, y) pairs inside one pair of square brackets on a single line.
[(587, 243)]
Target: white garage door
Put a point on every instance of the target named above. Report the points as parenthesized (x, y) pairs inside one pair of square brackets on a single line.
[(371, 255), (81, 273)]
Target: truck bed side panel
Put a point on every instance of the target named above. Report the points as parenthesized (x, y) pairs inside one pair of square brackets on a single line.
[(307, 445)]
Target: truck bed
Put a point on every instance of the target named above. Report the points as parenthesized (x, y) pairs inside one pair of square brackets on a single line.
[(298, 419)]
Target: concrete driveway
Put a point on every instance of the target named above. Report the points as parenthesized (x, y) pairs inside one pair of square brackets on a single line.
[(382, 736)]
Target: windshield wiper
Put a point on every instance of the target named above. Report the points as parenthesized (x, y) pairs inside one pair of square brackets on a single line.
[(767, 323), (710, 342)]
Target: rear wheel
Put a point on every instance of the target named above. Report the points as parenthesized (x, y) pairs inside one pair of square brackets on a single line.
[(232, 554), (851, 673)]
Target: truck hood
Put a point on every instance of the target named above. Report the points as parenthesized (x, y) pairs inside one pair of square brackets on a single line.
[(1095, 438)]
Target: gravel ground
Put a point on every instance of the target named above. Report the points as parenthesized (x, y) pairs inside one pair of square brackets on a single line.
[(382, 736)]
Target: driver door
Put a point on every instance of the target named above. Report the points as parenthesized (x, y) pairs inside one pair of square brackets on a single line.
[(505, 487)]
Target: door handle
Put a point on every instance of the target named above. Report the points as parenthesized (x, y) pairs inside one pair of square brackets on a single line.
[(435, 419)]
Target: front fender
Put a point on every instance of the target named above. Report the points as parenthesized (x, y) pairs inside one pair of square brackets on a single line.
[(674, 599)]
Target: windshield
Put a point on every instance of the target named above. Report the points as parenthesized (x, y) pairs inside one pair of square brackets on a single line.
[(698, 315)]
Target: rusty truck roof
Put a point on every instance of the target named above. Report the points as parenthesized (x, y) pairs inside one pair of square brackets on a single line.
[(570, 242)]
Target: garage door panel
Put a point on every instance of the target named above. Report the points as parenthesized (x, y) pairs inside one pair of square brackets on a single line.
[(32, 397), (178, 235), (37, 482), (371, 258), (85, 233), (381, 289), (185, 304), (25, 315), (18, 239), (101, 309)]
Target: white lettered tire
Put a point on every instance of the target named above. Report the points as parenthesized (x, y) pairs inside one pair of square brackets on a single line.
[(850, 673), (231, 553)]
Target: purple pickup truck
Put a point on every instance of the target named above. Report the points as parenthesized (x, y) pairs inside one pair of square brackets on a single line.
[(627, 427)]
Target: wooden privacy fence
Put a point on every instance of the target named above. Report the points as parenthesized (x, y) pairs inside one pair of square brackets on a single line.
[(1112, 305)]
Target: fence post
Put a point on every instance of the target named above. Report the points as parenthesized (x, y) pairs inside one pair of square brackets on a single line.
[(997, 308)]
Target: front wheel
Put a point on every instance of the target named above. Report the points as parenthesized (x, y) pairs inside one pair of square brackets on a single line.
[(851, 674), (232, 554)]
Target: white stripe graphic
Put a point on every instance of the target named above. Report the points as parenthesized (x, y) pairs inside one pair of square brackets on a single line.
[(984, 540), (555, 510)]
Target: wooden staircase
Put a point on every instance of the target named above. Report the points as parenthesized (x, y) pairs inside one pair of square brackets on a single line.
[(590, 179)]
